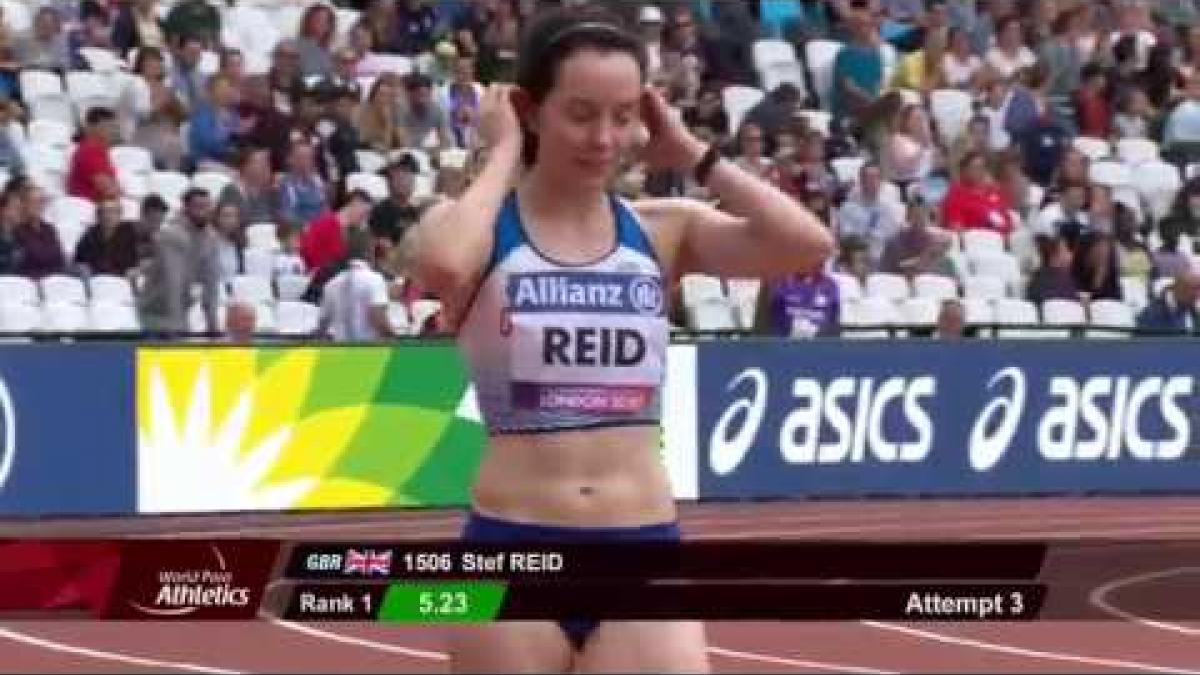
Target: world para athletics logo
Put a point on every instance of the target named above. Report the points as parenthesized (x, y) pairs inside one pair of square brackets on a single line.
[(8, 434)]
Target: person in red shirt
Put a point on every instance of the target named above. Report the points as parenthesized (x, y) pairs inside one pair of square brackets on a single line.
[(975, 201), (323, 243), (1092, 107), (92, 175)]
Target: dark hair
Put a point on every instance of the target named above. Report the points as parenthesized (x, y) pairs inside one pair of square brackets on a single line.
[(193, 194), (969, 158), (246, 153), (145, 54), (1091, 69), (557, 34), (98, 115), (153, 202)]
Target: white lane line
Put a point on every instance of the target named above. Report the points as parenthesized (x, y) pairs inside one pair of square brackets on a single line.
[(796, 663), (360, 642), (120, 657), (441, 656), (1028, 653), (1099, 599)]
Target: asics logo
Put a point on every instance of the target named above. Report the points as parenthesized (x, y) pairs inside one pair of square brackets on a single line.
[(8, 434), (997, 423), (738, 426)]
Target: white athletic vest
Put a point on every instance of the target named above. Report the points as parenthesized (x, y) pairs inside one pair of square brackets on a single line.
[(552, 346)]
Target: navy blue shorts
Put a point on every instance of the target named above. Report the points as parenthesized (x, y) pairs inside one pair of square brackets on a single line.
[(485, 529)]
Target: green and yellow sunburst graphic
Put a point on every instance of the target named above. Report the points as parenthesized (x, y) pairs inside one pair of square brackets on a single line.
[(300, 428)]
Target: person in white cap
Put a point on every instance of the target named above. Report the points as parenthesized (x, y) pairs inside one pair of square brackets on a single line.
[(651, 22)]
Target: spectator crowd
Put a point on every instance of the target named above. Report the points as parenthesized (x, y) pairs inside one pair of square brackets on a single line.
[(253, 167)]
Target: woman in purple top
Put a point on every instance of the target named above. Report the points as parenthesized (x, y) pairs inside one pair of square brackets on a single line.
[(800, 306)]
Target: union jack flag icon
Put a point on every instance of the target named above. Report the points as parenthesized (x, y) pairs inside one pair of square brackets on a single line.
[(368, 562)]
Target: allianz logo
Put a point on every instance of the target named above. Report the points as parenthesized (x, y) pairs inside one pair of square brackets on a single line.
[(845, 420), (8, 434)]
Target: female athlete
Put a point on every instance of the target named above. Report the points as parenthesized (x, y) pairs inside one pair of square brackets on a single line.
[(556, 289)]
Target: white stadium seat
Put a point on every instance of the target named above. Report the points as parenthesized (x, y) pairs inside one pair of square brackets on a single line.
[(18, 290), (817, 119), (739, 99), (1013, 312), (1135, 292), (1094, 148), (697, 288), (1157, 183), (1061, 312), (371, 183), (259, 262), (934, 287), (211, 182), (951, 110), (19, 317), (707, 314), (889, 286), (58, 288), (849, 288), (975, 241), (250, 288), (1113, 174), (296, 318), (291, 287), (170, 185), (109, 289), (1136, 151), (106, 316), (919, 311), (1110, 314), (873, 314), (133, 158), (64, 317), (819, 56), (262, 236)]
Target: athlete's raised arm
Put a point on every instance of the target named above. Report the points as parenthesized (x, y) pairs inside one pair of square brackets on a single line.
[(452, 242), (759, 231)]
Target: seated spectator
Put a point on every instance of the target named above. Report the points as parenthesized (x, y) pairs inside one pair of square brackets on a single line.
[(651, 23), (308, 114), (231, 63), (1052, 279), (194, 19), (94, 31), (323, 245), (919, 248), (184, 76), (213, 126), (1043, 143), (392, 217), (1010, 54), (41, 251), (751, 154), (1135, 116), (461, 100), (287, 259), (1092, 106), (11, 212), (974, 201), (231, 242), (45, 46), (137, 26), (951, 321), (921, 70), (153, 214), (92, 175), (858, 68), (185, 252), (708, 115), (1169, 261), (157, 112), (774, 114), (11, 159), (854, 259), (343, 142), (867, 217), (415, 25), (315, 42), (423, 120), (1174, 311), (302, 194), (283, 78), (811, 173), (10, 66), (974, 139), (252, 190), (1133, 256), (1186, 208), (110, 245), (499, 43), (1094, 266), (379, 122), (1183, 124), (960, 65), (1067, 218), (910, 151), (799, 306), (241, 322), (1073, 167)]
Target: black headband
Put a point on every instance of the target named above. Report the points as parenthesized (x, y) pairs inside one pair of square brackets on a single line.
[(583, 27)]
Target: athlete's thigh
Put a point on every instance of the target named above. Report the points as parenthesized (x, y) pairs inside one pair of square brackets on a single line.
[(510, 646), (646, 647)]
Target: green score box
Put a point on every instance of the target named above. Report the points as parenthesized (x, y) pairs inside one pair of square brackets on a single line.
[(442, 602)]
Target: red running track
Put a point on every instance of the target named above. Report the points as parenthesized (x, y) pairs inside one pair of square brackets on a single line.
[(1127, 643)]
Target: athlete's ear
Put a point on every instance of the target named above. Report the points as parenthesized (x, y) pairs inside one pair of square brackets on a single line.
[(525, 108)]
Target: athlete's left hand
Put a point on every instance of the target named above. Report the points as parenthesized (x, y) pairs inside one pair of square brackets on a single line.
[(671, 145)]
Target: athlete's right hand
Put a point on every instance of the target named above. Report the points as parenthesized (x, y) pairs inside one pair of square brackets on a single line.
[(499, 126)]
